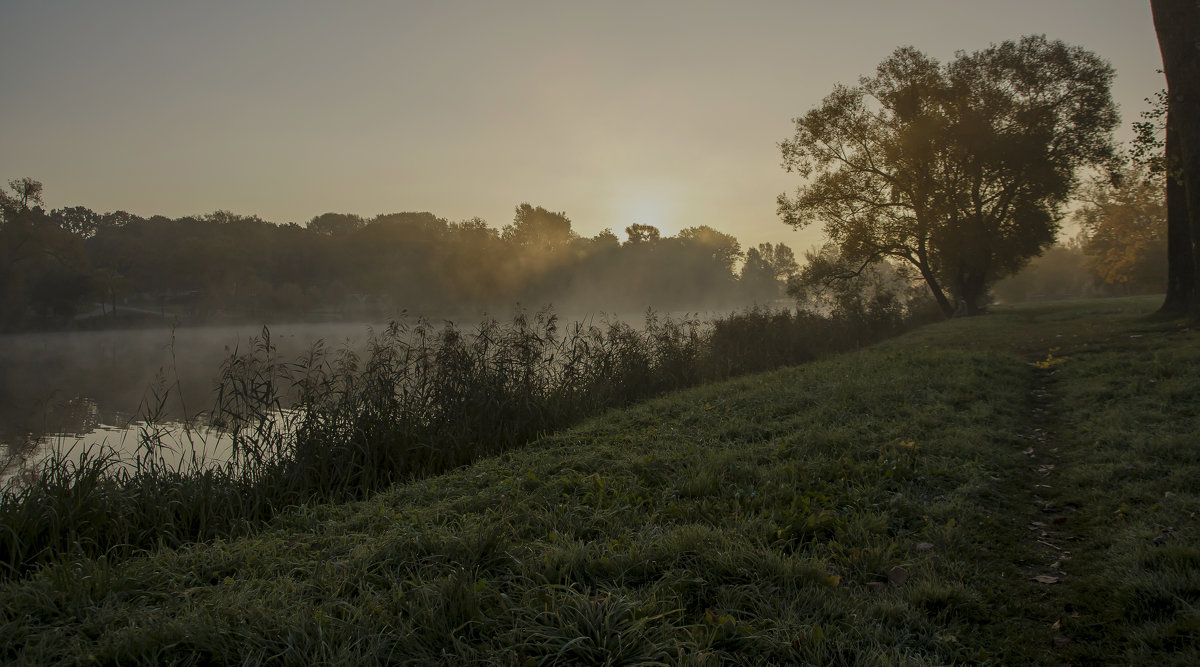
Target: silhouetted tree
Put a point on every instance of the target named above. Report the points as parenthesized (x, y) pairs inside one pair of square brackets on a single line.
[(1177, 22), (639, 233), (605, 240), (758, 278), (78, 220), (27, 193), (538, 229), (44, 269), (335, 224), (724, 249), (959, 170), (781, 259)]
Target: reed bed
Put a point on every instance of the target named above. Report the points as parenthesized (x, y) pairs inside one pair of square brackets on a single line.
[(334, 425)]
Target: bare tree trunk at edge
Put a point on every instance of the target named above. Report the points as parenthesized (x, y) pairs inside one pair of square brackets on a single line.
[(1177, 24)]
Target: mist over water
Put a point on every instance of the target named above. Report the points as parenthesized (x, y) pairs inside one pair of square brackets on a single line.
[(80, 389), (77, 391)]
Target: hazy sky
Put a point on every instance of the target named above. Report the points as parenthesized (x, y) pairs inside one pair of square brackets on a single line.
[(661, 112)]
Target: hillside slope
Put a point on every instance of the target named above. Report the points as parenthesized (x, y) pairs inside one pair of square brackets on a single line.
[(1020, 487)]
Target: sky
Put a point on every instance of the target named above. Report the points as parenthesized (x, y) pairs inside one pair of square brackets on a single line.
[(662, 112)]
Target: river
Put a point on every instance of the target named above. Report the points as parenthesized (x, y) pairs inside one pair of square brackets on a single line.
[(80, 390)]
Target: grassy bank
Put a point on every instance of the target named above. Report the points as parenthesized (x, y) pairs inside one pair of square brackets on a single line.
[(1015, 488), (334, 426)]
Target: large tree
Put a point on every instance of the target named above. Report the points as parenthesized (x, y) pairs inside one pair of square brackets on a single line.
[(959, 169), (1177, 23)]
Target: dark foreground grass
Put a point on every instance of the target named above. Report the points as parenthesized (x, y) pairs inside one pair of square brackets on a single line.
[(1016, 488)]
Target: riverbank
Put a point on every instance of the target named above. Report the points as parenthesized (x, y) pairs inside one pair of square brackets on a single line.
[(1020, 487)]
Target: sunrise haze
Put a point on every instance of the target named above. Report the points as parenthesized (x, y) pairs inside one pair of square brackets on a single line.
[(662, 113)]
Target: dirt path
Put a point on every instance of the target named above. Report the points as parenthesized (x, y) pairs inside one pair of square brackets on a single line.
[(1050, 544)]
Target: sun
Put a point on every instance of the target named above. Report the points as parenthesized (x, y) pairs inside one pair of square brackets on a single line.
[(647, 205)]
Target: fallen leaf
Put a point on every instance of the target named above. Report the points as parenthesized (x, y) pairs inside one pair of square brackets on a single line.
[(924, 546), (1057, 625), (1046, 579), (897, 576), (1061, 641)]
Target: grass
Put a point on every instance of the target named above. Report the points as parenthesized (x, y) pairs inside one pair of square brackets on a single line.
[(938, 498)]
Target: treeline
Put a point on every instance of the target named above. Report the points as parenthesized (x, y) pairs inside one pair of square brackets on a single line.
[(68, 266)]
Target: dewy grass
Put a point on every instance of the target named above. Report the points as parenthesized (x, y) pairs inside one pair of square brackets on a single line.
[(938, 498), (332, 426)]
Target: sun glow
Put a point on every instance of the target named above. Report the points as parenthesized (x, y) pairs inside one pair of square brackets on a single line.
[(648, 205)]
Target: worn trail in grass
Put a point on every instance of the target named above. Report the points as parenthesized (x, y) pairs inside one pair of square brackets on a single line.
[(891, 506)]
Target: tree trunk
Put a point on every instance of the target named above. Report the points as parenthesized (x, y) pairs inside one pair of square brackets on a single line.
[(974, 293), (1177, 24), (1181, 265), (936, 289)]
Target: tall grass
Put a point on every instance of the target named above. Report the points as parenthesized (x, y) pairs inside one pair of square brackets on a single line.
[(334, 426)]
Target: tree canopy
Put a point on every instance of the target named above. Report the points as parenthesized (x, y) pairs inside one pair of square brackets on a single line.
[(961, 169)]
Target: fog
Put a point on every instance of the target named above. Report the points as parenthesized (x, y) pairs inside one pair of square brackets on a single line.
[(82, 389)]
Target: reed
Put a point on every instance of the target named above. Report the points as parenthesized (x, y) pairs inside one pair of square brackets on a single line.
[(331, 426)]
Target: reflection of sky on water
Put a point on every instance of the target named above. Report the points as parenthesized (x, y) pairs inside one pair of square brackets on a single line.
[(179, 447), (89, 389)]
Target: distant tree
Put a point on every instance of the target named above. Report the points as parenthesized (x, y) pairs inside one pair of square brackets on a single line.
[(725, 249), (44, 269), (224, 217), (1177, 22), (781, 259), (1125, 228), (639, 233), (78, 220), (476, 225), (410, 225), (535, 228), (26, 193), (605, 239), (767, 270), (757, 278), (958, 170), (335, 224), (1059, 272)]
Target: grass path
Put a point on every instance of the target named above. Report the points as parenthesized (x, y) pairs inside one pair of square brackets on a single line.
[(892, 506)]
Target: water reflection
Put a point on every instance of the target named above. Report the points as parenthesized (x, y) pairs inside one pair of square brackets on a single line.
[(74, 391)]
